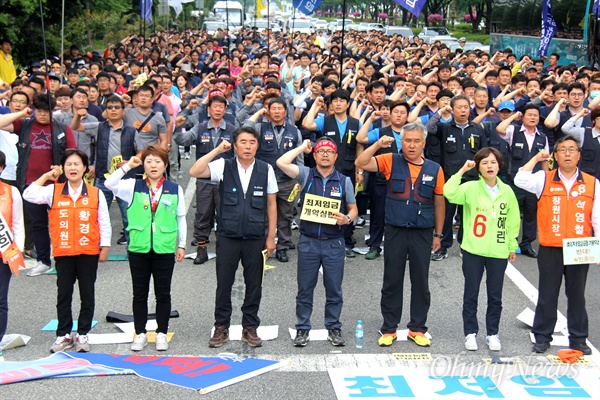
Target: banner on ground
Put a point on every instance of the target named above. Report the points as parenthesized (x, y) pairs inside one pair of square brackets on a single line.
[(548, 28), (58, 365), (307, 7), (203, 374), (468, 381), (414, 6)]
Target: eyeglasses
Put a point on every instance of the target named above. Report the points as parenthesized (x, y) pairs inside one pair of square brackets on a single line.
[(113, 107), (22, 102), (322, 152), (569, 150), (576, 94)]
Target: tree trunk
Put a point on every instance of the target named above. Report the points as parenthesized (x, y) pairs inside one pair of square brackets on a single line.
[(488, 16)]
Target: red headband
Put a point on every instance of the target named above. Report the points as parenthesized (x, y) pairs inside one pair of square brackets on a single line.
[(214, 93), (326, 143)]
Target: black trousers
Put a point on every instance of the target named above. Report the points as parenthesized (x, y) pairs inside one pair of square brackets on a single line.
[(229, 254), (207, 205), (451, 209), (160, 268), (377, 194), (399, 243), (528, 207), (38, 216), (83, 269), (551, 271), (472, 267)]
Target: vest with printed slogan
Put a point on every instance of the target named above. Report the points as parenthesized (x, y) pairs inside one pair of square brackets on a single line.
[(565, 215), (158, 231), (590, 154), (243, 215), (333, 189), (74, 226), (205, 140), (270, 149), (520, 153), (410, 205), (345, 141), (6, 204)]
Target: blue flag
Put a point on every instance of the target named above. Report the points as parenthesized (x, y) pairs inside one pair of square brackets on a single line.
[(146, 10), (548, 28), (414, 6), (307, 7), (596, 8)]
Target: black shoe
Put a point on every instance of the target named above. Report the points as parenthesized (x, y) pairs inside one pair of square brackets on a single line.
[(582, 347), (201, 255), (194, 242), (540, 347), (335, 337), (291, 246), (282, 255), (350, 253), (122, 240), (301, 338), (529, 253), (439, 255)]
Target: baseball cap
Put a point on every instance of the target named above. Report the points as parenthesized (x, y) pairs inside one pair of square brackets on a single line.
[(506, 105), (531, 67), (55, 76)]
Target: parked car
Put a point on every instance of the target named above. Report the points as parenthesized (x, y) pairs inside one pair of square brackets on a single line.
[(320, 25), (400, 30), (434, 31), (370, 26), (336, 24), (447, 40), (212, 26), (471, 45), (299, 25)]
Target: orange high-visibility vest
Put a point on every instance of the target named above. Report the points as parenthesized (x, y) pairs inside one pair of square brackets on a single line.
[(6, 204), (74, 228), (565, 215)]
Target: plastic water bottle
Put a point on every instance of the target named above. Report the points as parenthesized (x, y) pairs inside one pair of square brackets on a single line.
[(359, 335)]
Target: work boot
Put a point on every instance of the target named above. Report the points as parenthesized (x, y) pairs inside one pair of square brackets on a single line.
[(201, 255)]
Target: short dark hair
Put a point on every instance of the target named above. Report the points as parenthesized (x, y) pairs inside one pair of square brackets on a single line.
[(44, 102), (146, 88), (78, 90), (555, 55), (217, 99), (576, 85), (374, 85), (399, 104), (329, 82), (560, 86), (115, 99), (39, 81), (2, 157), (76, 152), (245, 129), (564, 139), (485, 153), (21, 94), (277, 100), (340, 94), (459, 97), (531, 106)]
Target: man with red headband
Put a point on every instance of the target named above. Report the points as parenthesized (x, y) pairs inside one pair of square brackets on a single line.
[(329, 206)]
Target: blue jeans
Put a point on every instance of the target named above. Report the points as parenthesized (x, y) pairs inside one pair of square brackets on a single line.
[(312, 253), (108, 194)]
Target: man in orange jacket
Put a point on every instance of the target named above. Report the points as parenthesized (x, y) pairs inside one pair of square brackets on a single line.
[(568, 207)]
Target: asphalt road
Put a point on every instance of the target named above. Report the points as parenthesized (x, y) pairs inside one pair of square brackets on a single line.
[(32, 304)]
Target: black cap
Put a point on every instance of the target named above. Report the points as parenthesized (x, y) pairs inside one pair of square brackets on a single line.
[(103, 75)]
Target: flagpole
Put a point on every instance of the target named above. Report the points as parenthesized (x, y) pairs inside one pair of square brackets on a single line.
[(269, 30), (343, 33), (586, 18)]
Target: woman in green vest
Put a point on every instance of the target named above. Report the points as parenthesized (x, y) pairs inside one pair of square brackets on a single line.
[(157, 231)]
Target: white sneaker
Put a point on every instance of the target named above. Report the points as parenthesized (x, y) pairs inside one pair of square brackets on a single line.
[(493, 342), (186, 155), (39, 269), (140, 342), (471, 342), (294, 225), (161, 342)]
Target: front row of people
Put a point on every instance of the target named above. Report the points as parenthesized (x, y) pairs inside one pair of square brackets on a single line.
[(569, 204)]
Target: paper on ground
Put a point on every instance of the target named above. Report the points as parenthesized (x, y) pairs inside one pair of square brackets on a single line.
[(193, 255), (14, 340), (527, 315), (53, 325), (152, 336), (402, 335), (129, 327), (110, 338), (557, 340), (314, 335), (264, 332)]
